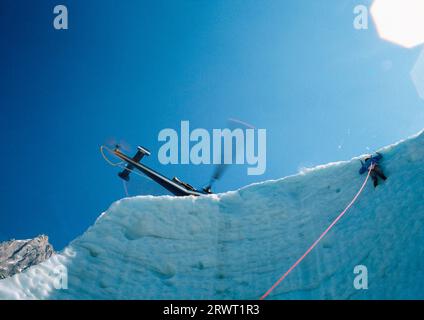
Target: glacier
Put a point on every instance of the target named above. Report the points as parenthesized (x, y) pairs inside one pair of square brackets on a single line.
[(235, 245)]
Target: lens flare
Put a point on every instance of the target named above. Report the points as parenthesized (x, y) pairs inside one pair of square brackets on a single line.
[(400, 21)]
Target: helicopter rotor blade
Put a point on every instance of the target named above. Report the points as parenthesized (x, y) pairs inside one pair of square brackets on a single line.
[(220, 169), (119, 144)]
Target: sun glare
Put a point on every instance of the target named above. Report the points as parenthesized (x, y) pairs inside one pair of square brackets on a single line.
[(400, 21), (417, 75)]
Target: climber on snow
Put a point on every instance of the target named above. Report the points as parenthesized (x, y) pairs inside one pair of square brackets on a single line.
[(376, 171)]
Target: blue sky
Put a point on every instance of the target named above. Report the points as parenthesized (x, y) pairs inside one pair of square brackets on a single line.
[(128, 69)]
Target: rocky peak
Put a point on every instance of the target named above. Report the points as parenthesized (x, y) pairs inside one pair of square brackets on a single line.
[(18, 255)]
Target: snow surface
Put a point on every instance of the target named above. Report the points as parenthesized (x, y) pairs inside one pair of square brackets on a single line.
[(237, 244)]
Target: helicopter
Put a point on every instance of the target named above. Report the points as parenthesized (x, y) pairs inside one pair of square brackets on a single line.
[(174, 185)]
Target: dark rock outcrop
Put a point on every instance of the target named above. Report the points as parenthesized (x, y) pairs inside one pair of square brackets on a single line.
[(18, 255)]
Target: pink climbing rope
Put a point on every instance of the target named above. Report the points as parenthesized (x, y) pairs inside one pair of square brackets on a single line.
[(320, 237)]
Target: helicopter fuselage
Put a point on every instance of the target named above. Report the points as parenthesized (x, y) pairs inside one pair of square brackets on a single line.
[(174, 186)]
